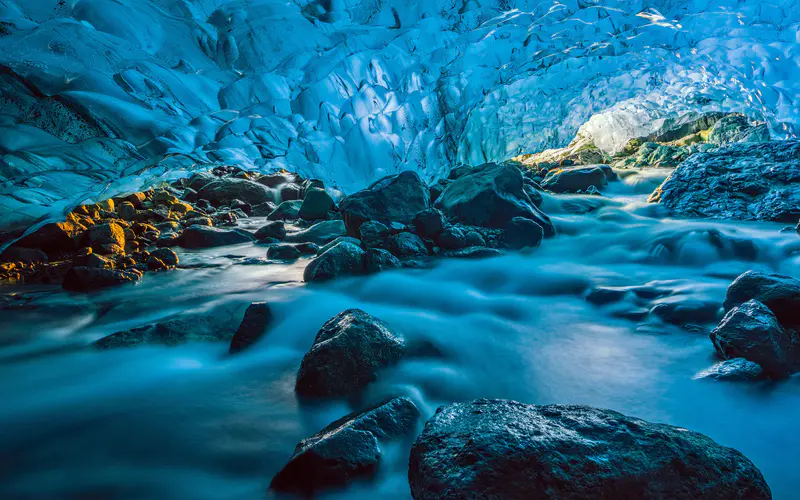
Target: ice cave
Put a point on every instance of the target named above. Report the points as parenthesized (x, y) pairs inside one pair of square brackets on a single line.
[(440, 249)]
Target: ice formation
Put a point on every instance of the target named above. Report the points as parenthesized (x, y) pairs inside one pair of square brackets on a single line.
[(104, 96)]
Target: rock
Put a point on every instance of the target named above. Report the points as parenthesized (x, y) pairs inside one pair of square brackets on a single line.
[(490, 197), (406, 246), (240, 206), (343, 259), (98, 261), (456, 237), (263, 209), (256, 319), (781, 294), (346, 449), (168, 239), (291, 192), (686, 312), (601, 296), (736, 369), (429, 223), (497, 449), (273, 229), (54, 238), (206, 206), (651, 154), (100, 235), (396, 198), (276, 179), (283, 252), (752, 332), (320, 233), (316, 205), (85, 279), (208, 237), (377, 260), (288, 210), (534, 195), (347, 354), (308, 248), (436, 189), (338, 240), (136, 199), (473, 252), (167, 256), (374, 234), (737, 128), (521, 233), (20, 254), (573, 180), (210, 327), (189, 195), (740, 181), (127, 211), (223, 191), (200, 180)]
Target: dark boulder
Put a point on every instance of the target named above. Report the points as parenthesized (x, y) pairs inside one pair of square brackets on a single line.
[(320, 233), (215, 327), (256, 319), (429, 223), (283, 252), (20, 254), (346, 449), (396, 198), (197, 181), (780, 293), (273, 229), (54, 238), (208, 237), (734, 370), (316, 205), (291, 192), (308, 248), (406, 246), (167, 256), (456, 236), (223, 191), (347, 354), (343, 259), (276, 179), (263, 209), (86, 279), (377, 260), (496, 449), (752, 332), (574, 180), (521, 233), (374, 234), (490, 196), (288, 210), (338, 240)]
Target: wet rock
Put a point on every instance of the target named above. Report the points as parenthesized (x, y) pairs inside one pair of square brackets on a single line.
[(214, 327), (127, 211), (343, 259), (507, 450), (223, 191), (574, 180), (521, 233), (396, 198), (263, 209), (735, 370), (208, 237), (490, 196), (437, 189), (189, 195), (429, 223), (200, 180), (347, 354), (98, 261), (651, 154), (406, 246), (346, 449), (472, 252), (276, 179), (781, 294), (378, 259), (740, 181), (167, 256), (316, 205), (338, 240), (685, 312), (168, 239), (291, 192), (136, 199), (737, 128), (256, 319), (320, 233), (100, 235), (308, 248), (456, 236), (374, 234), (601, 296), (54, 238), (288, 210), (283, 252), (752, 332), (85, 279), (273, 229), (20, 254), (534, 195), (241, 206)]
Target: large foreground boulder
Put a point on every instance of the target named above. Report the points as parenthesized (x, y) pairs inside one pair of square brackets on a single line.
[(496, 449), (741, 181), (347, 354), (346, 449), (207, 237), (225, 190), (397, 198), (490, 196), (780, 293), (752, 332), (342, 259)]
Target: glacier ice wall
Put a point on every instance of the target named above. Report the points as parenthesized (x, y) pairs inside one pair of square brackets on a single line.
[(103, 96)]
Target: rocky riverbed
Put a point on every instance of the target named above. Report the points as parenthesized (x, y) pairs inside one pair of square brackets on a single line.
[(236, 333)]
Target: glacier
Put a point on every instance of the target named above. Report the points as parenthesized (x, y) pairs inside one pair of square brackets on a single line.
[(100, 97)]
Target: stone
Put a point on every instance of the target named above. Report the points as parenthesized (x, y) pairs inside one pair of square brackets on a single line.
[(573, 180), (739, 182), (241, 206), (257, 317), (396, 198), (737, 128), (223, 191), (374, 234), (54, 238), (208, 237), (21, 254), (651, 154), (781, 294), (735, 370), (316, 205), (189, 195), (273, 229), (378, 259), (218, 326), (320, 233), (104, 234), (288, 210), (338, 240), (291, 192), (127, 211), (86, 279), (490, 196), (534, 195), (348, 448), (167, 256), (472, 252), (521, 233), (406, 246), (452, 238), (429, 223), (136, 199), (752, 332), (283, 252), (308, 248), (98, 261), (276, 179), (498, 449), (200, 180), (348, 352), (344, 259), (263, 209)]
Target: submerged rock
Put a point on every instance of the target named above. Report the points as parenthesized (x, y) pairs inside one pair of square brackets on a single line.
[(283, 252), (208, 237), (256, 319), (507, 450), (429, 223), (397, 198), (574, 180), (476, 252), (740, 181), (781, 294), (347, 354), (735, 370), (218, 326), (346, 449), (343, 259), (752, 332), (85, 279)]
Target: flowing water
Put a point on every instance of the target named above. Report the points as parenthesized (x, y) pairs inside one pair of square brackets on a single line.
[(188, 422)]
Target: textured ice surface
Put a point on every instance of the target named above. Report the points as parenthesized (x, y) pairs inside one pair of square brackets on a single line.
[(102, 96)]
